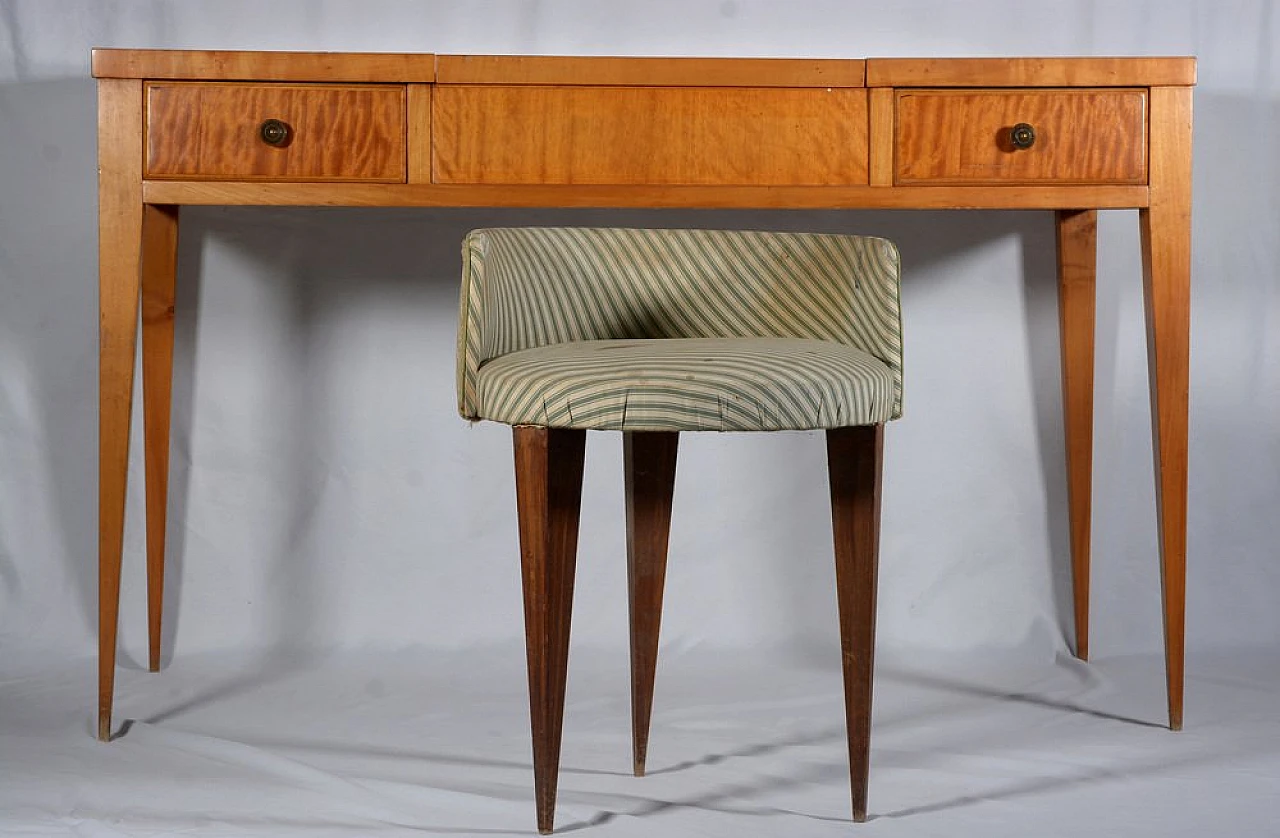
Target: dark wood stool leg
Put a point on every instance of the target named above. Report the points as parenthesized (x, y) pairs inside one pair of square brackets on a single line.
[(853, 463), (649, 460), (548, 499)]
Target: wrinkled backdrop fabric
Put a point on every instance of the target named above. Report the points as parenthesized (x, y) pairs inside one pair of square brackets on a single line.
[(326, 498)]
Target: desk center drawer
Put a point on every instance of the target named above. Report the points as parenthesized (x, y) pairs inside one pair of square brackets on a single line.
[(281, 132), (1021, 136), (706, 136)]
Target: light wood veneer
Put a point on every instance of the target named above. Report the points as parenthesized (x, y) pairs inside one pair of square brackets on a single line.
[(499, 134), (240, 65), (660, 72), (199, 131), (1154, 71), (964, 136), (180, 128)]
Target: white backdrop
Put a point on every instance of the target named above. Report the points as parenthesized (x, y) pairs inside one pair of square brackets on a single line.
[(325, 494)]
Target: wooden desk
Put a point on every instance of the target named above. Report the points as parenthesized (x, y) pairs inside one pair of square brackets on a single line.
[(1073, 135)]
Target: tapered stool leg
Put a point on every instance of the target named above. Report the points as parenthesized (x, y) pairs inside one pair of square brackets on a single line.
[(649, 461), (548, 465), (853, 464)]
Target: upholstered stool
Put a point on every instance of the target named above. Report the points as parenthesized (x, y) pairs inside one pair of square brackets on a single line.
[(654, 332)]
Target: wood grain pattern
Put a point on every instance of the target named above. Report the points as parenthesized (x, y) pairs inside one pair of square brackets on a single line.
[(1082, 136), (662, 72), (229, 65), (350, 132), (649, 135), (854, 467), (1077, 241), (158, 273), (880, 140), (418, 105), (1165, 229), (1016, 196), (755, 72), (1030, 72), (649, 465), (548, 499), (119, 249)]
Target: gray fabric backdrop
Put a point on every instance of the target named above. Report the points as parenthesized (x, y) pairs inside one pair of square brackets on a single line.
[(325, 494)]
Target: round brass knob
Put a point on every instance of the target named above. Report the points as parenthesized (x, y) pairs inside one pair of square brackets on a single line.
[(275, 132), (1022, 135)]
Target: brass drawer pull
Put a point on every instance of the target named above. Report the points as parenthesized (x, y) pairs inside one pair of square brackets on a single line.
[(1022, 135), (275, 132)]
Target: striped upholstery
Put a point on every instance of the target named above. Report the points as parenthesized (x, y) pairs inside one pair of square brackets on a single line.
[(679, 329)]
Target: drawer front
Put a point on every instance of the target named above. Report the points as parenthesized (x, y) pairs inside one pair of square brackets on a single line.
[(528, 134), (966, 136), (203, 131)]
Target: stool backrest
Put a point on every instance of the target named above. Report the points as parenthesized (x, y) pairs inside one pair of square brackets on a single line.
[(525, 287)]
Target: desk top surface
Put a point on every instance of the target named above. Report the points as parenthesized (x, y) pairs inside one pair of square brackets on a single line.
[(666, 71)]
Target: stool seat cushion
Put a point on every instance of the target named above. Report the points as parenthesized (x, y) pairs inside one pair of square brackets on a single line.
[(527, 288), (687, 384)]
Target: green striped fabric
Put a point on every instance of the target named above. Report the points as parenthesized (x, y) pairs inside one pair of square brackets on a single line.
[(688, 384), (679, 329)]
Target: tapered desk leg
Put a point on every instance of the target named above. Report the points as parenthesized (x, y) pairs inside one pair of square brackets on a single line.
[(119, 245), (1166, 267), (159, 262), (1077, 271)]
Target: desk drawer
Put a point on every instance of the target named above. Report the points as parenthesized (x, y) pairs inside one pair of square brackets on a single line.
[(967, 136), (530, 134), (204, 131)]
